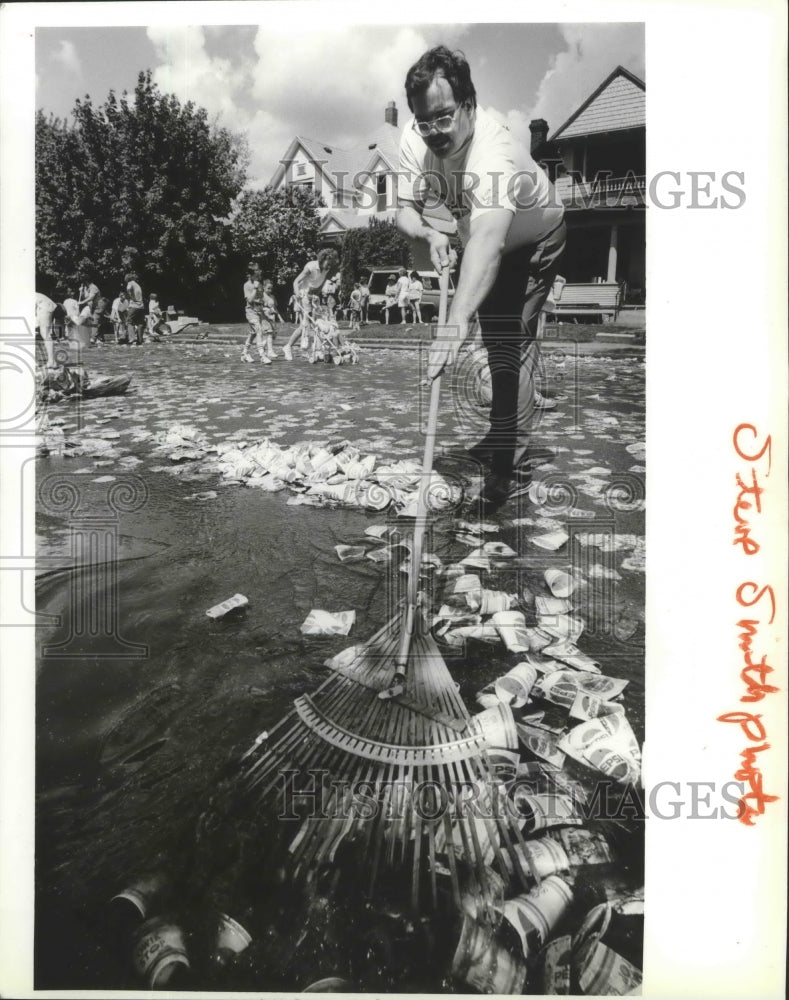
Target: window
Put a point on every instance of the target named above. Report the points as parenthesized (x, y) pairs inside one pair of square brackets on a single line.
[(301, 169), (380, 191)]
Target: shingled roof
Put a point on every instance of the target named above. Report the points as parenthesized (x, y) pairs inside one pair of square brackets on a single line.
[(618, 103)]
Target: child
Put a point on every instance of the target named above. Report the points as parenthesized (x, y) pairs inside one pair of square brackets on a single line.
[(403, 284), (390, 296), (309, 282), (269, 316), (155, 314), (415, 289), (364, 288), (118, 315), (253, 295), (355, 303)]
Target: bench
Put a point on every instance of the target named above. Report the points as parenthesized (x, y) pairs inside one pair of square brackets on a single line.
[(585, 299)]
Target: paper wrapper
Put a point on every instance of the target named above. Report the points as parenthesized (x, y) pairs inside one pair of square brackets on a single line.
[(468, 583), (534, 916), (512, 628), (320, 622), (606, 744), (589, 706), (542, 857)]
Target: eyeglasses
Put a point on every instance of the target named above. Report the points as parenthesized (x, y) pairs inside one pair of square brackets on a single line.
[(441, 124)]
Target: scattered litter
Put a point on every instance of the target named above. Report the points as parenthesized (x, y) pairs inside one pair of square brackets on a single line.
[(104, 479), (349, 553), (511, 626), (552, 541), (561, 584), (207, 495), (236, 601), (320, 622)]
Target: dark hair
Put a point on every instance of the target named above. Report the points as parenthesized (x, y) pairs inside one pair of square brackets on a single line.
[(441, 62), (325, 253)]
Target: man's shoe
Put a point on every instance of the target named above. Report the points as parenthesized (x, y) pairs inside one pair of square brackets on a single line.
[(288, 353), (543, 403)]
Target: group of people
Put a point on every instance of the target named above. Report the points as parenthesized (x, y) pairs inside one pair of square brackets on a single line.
[(85, 306), (316, 328), (404, 291)]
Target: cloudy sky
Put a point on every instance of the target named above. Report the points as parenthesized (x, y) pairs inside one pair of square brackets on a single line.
[(330, 82)]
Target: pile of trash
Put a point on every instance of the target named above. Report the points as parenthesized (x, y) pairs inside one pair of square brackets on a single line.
[(53, 385), (566, 919), (319, 474)]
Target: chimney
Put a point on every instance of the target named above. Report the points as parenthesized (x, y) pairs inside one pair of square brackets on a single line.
[(539, 135), (390, 114)]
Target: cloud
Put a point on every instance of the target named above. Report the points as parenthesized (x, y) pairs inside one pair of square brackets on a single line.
[(330, 82), (188, 71), (68, 58), (334, 83), (592, 52)]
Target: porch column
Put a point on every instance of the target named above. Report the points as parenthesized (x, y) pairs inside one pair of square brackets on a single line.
[(612, 245)]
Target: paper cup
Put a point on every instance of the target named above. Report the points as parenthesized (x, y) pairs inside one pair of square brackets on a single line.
[(512, 629), (497, 726), (159, 949), (534, 916), (482, 963), (561, 584)]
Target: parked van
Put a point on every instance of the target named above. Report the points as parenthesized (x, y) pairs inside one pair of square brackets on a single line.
[(379, 278)]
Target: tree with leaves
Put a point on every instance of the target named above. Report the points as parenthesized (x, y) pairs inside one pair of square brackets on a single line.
[(278, 229), (140, 183), (381, 244)]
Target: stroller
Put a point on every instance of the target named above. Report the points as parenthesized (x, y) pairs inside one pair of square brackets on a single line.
[(329, 343)]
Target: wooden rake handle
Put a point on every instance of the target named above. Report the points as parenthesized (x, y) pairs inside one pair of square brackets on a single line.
[(421, 508)]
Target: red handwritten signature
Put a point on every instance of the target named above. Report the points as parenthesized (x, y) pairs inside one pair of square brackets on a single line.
[(755, 670)]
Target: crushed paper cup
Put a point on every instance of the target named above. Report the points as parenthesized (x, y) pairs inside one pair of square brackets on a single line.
[(464, 584), (556, 968), (534, 916), (499, 549), (561, 626), (320, 622), (380, 555), (349, 553), (538, 639), (551, 541), (484, 632), (220, 610), (585, 847), (344, 658), (488, 602), (380, 531), (512, 629), (542, 810), (485, 965), (478, 527), (608, 744), (541, 856), (588, 706), (497, 726), (515, 686), (541, 743), (551, 605), (561, 584), (571, 655), (477, 560)]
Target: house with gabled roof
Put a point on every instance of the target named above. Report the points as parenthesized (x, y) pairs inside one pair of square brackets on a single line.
[(597, 160), (357, 184)]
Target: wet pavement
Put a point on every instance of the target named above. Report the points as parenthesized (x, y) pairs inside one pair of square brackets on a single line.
[(143, 702)]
